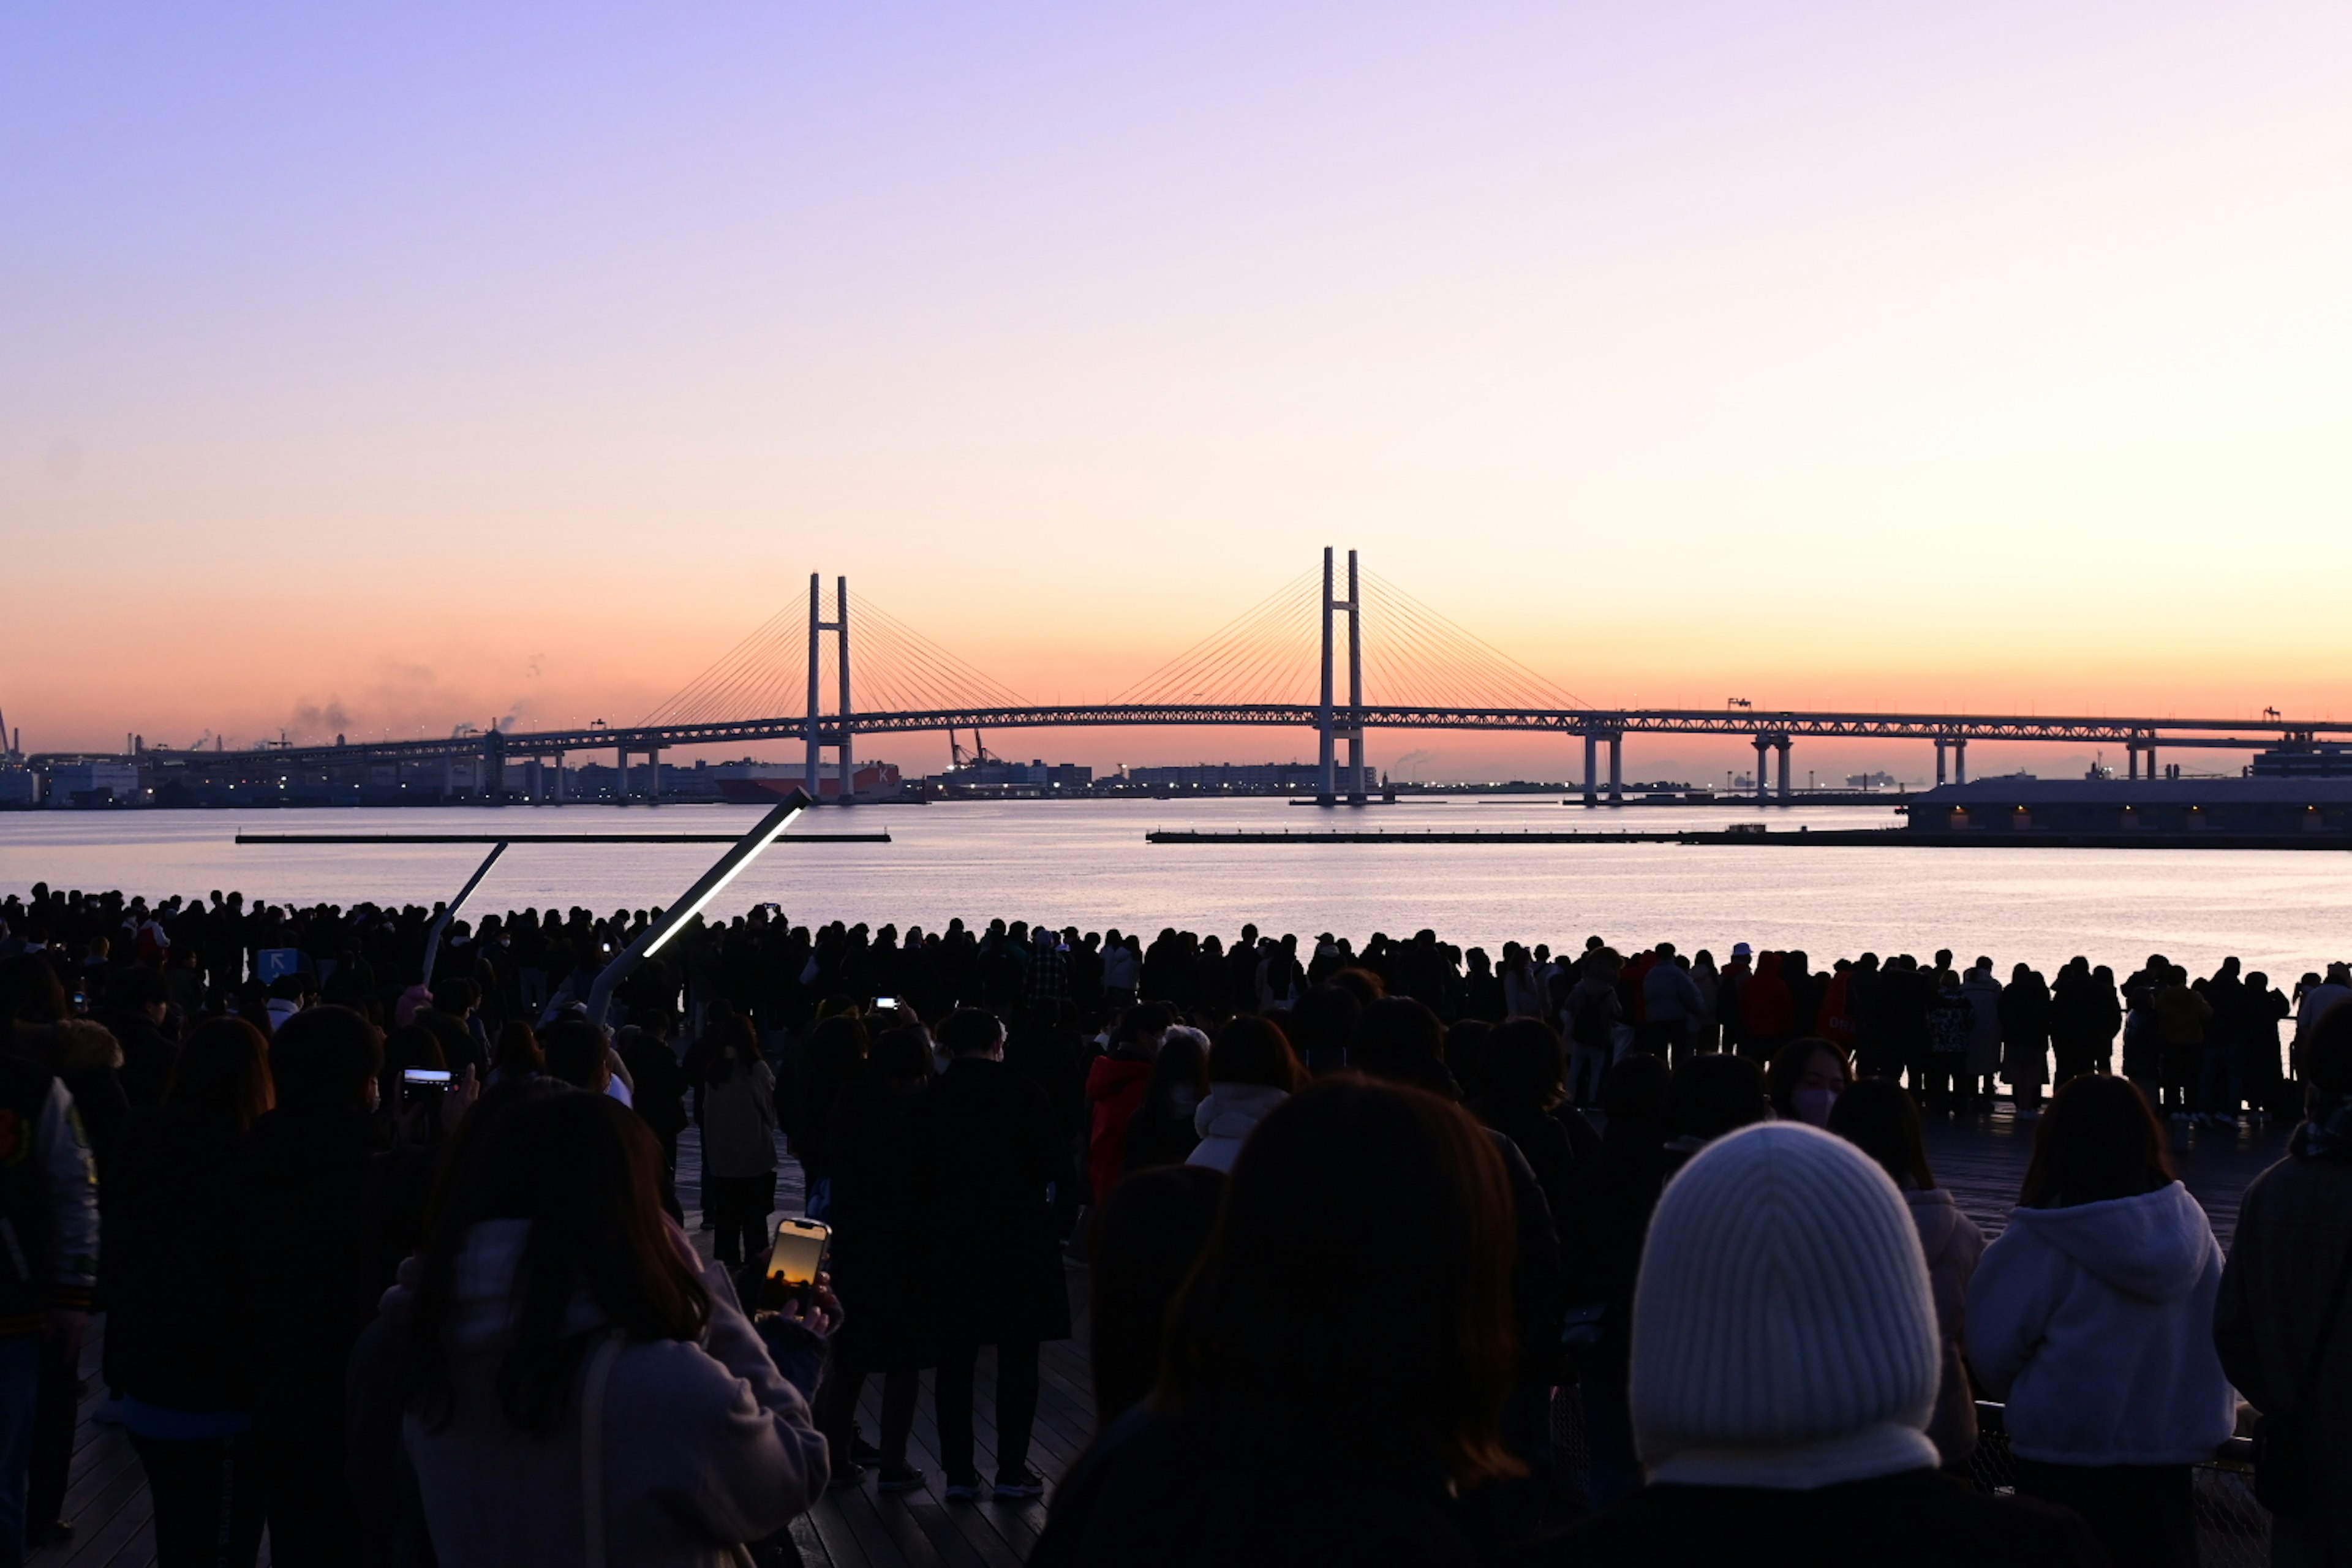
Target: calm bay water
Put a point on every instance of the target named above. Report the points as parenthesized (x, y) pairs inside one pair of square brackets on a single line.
[(1087, 863)]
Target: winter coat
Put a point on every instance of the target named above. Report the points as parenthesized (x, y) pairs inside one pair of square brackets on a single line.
[(988, 1152), (1228, 1118), (1767, 1011), (2024, 1014), (738, 1123), (310, 1254), (1983, 993), (2294, 1228), (1114, 1087), (878, 1230), (175, 1305), (1952, 1243), (2096, 1323), (707, 1444)]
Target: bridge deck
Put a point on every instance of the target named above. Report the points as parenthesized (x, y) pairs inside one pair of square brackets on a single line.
[(1981, 1161)]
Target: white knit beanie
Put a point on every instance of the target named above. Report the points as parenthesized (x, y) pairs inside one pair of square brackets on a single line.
[(1784, 1334)]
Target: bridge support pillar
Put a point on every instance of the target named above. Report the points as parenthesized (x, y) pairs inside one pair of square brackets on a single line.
[(1783, 745), (653, 775), (1940, 762), (1763, 744), (2151, 761), (559, 778), (1617, 767), (1591, 766), (1960, 760), (1355, 688)]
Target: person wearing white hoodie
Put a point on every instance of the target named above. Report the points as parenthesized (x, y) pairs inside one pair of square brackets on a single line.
[(1252, 1070), (2091, 1316)]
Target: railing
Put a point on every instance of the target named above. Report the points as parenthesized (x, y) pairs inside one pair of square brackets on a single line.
[(2234, 1531)]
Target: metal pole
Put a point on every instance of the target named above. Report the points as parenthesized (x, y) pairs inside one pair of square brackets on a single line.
[(432, 937), (706, 888), (1326, 785), (817, 619), (1355, 686), (841, 631)]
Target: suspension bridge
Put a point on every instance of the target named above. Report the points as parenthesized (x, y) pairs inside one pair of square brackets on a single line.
[(1338, 651)]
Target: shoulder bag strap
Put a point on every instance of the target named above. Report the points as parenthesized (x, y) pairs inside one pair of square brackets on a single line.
[(592, 1448)]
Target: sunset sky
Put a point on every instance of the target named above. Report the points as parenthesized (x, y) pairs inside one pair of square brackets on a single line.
[(382, 367)]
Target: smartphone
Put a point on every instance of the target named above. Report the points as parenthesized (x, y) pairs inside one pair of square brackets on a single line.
[(795, 1262), (80, 1002), (882, 1002), (421, 1083)]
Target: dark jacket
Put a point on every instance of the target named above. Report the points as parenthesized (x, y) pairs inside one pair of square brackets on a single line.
[(148, 1055), (1920, 1518), (175, 1308), (879, 1230), (309, 1252), (1615, 1192), (659, 1088), (1152, 1493), (2294, 1230), (988, 1152)]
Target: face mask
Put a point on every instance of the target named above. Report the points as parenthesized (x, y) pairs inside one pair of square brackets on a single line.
[(1813, 1105)]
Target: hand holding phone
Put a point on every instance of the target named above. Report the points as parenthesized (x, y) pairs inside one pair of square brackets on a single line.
[(795, 1264)]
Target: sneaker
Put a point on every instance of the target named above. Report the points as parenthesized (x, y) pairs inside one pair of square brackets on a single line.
[(861, 1452), (900, 1478), (1021, 1488), (844, 1477), (961, 1489)]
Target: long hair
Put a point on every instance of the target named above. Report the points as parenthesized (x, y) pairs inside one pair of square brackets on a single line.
[(1878, 1117), (223, 1073), (586, 1172), (1355, 1303), (2098, 1140), (1252, 1050)]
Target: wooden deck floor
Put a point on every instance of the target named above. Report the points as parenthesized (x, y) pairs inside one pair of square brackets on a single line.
[(1982, 1160)]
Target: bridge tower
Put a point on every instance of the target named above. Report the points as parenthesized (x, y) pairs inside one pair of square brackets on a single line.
[(1327, 721), (818, 736)]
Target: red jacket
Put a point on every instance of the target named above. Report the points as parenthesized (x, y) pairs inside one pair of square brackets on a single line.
[(1114, 1087)]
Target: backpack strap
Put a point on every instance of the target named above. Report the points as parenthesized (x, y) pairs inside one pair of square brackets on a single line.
[(591, 1447)]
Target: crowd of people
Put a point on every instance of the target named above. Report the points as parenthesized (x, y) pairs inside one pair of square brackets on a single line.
[(396, 1268)]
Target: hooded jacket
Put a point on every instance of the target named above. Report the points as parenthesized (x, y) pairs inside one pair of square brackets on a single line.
[(1983, 993), (2096, 1323), (1953, 1245), (706, 1445), (1115, 1087), (1228, 1118)]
